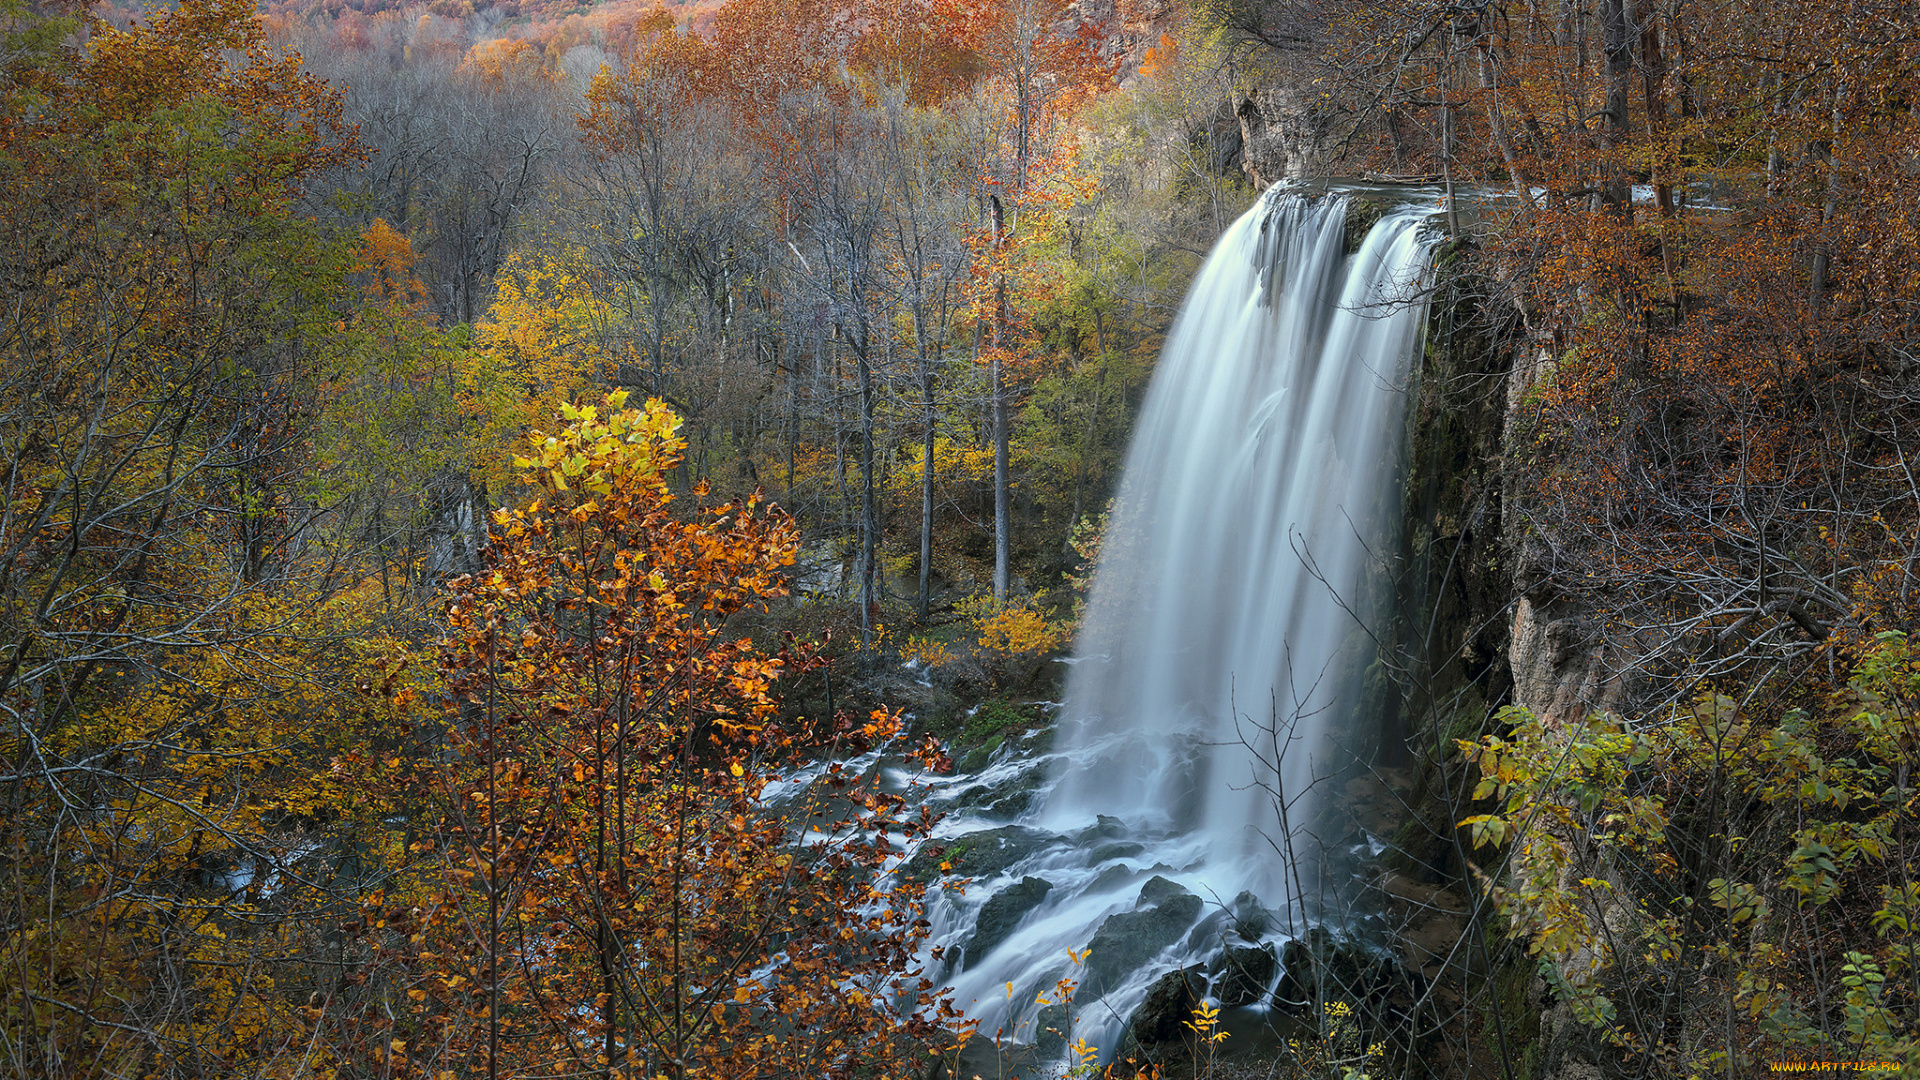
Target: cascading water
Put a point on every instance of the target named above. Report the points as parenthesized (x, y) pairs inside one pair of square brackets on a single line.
[(1223, 648)]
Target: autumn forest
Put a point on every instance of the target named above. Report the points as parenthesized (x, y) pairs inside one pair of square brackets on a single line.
[(504, 505)]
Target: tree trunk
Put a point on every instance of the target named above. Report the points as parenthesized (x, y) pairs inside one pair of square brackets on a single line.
[(1825, 153), (1653, 78), (926, 489), (1619, 44), (1002, 504), (869, 523)]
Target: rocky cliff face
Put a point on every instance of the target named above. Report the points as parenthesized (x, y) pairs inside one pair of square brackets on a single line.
[(1563, 668), (1282, 136), (1128, 28), (1485, 627)]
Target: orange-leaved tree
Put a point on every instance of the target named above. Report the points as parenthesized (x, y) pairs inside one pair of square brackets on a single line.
[(602, 887)]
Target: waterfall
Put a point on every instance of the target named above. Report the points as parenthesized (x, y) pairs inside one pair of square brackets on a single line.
[(1222, 655)]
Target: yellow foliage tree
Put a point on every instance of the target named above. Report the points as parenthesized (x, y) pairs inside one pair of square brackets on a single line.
[(537, 349), (602, 887)]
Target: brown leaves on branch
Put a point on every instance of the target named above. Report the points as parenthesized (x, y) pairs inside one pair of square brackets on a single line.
[(1706, 217)]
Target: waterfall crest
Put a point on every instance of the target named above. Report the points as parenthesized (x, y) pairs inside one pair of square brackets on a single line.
[(1223, 647)]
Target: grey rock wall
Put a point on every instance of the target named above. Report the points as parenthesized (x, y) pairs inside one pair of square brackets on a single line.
[(1281, 136)]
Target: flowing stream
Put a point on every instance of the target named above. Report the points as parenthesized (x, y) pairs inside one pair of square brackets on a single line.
[(1222, 666)]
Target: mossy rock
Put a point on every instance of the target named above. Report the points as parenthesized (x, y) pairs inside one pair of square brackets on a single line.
[(980, 756), (977, 855), (1005, 799), (975, 738), (1362, 215), (1162, 916), (1241, 975), (1001, 914)]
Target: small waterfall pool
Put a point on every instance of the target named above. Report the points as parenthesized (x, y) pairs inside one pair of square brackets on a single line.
[(1221, 668)]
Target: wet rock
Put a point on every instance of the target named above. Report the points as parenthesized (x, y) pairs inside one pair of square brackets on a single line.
[(1362, 216), (1159, 890), (1163, 914), (1110, 879), (1050, 1031), (1103, 828), (1039, 740), (980, 756), (1298, 984), (1013, 804), (1164, 1013), (1243, 922), (1116, 852), (1241, 975), (1001, 913), (1008, 798), (1210, 933), (1251, 919), (979, 854), (1322, 966)]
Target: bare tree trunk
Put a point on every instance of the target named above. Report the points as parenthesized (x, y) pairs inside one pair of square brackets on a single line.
[(1002, 503), (1822, 259), (869, 521), (1497, 121), (926, 487), (1653, 77), (1619, 42)]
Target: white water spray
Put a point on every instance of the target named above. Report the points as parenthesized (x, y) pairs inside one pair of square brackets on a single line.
[(1223, 650)]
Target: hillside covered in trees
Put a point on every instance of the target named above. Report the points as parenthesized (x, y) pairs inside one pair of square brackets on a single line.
[(463, 467)]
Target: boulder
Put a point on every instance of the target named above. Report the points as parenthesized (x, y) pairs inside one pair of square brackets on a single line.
[(1251, 919), (1159, 889), (1323, 966), (1116, 851), (1163, 914), (1241, 975), (1008, 798), (1001, 913), (982, 854), (1164, 1013), (1103, 828), (1050, 1031)]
